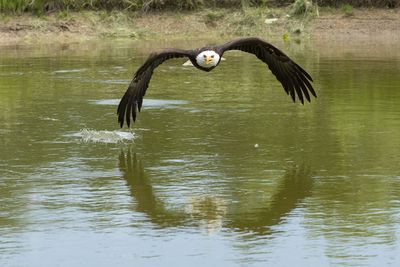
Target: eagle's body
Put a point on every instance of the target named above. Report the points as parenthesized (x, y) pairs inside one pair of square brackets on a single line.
[(293, 78)]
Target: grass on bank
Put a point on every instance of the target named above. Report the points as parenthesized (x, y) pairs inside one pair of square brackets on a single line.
[(210, 23), (46, 6), (288, 21)]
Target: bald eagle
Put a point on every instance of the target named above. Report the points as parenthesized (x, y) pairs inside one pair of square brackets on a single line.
[(294, 79)]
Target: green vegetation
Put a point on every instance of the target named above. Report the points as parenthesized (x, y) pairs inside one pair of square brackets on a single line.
[(15, 6), (360, 3), (212, 17), (19, 6), (348, 10), (47, 6), (302, 8)]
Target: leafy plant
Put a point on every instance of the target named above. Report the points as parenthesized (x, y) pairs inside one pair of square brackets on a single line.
[(348, 10), (15, 6), (302, 8)]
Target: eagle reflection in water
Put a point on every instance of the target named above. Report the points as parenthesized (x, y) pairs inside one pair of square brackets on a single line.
[(212, 213)]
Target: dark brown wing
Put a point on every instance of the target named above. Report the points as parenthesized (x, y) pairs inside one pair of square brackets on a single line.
[(132, 100), (293, 78)]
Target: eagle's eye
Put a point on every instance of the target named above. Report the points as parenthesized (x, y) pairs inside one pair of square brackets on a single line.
[(204, 56), (212, 56)]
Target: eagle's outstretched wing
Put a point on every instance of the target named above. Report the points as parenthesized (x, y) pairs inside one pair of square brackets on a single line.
[(132, 100), (293, 78)]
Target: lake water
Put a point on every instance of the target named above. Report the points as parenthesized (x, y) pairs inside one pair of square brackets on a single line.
[(221, 168)]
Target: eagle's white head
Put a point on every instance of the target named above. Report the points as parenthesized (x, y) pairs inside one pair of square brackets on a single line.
[(207, 59)]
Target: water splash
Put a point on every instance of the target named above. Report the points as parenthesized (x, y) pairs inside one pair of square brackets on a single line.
[(95, 136)]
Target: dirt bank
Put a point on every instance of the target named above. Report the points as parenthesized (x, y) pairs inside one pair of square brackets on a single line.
[(75, 27), (362, 23)]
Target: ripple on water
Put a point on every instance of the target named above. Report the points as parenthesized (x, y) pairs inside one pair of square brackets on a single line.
[(69, 71), (147, 102), (111, 81)]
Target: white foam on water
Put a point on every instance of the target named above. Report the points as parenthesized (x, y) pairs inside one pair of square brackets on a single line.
[(95, 136)]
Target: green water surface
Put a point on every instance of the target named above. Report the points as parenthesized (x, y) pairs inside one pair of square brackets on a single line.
[(223, 169)]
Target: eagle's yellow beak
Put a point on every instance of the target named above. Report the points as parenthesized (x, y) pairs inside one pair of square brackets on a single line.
[(208, 60)]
